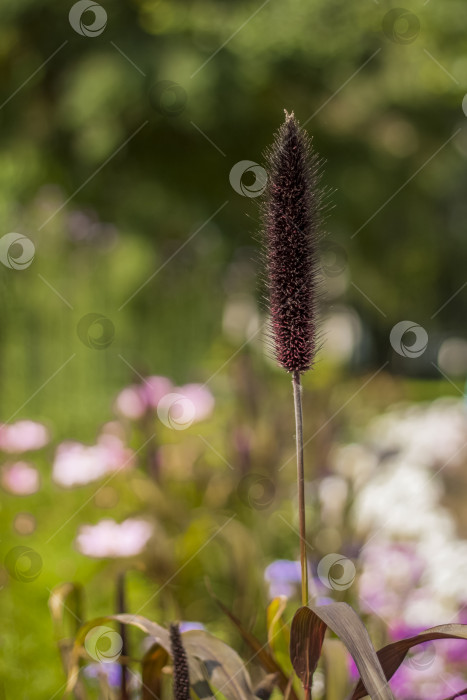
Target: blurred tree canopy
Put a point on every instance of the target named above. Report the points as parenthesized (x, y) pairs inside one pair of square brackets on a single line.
[(121, 177)]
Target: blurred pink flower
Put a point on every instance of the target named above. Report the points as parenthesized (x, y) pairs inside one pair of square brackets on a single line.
[(154, 388), (131, 402), (424, 676), (200, 397), (20, 478), (401, 630), (76, 464), (454, 650), (135, 400), (23, 436), (390, 572), (111, 539)]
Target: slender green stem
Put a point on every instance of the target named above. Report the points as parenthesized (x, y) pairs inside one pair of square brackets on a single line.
[(297, 393)]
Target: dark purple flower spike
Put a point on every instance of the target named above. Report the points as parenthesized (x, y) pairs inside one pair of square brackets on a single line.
[(181, 687), (291, 216)]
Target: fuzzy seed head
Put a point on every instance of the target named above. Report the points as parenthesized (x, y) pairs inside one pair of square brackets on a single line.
[(291, 226)]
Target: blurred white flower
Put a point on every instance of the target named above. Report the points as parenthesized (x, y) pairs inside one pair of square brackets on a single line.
[(111, 539), (333, 492), (402, 500), (433, 435), (354, 462), (414, 566), (76, 464), (20, 478), (342, 329), (446, 566), (240, 319), (427, 607), (23, 436)]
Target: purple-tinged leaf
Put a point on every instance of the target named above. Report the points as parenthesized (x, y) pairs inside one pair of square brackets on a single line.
[(346, 624), (306, 641)]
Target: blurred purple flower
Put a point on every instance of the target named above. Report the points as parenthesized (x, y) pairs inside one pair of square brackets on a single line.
[(352, 669), (185, 626), (77, 464), (23, 436), (112, 671), (20, 478), (111, 539), (283, 577), (189, 626), (324, 600)]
